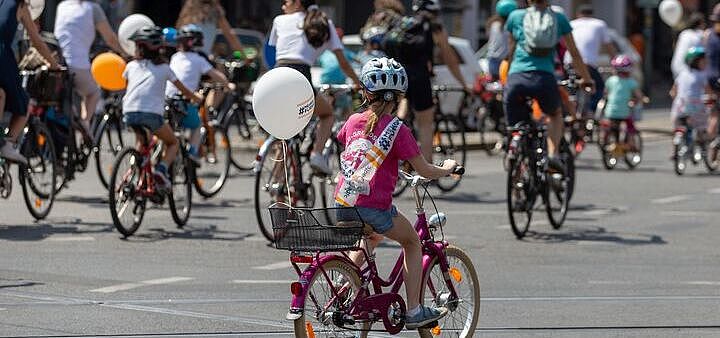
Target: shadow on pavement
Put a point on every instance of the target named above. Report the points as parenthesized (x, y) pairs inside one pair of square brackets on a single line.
[(464, 197), (594, 234), (50, 227), (19, 283), (204, 232)]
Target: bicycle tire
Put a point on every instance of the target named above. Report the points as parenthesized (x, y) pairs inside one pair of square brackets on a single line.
[(633, 159), (556, 197), (39, 149), (211, 177), (244, 139), (712, 157), (432, 280), (180, 196), (334, 270), (105, 132), (680, 157), (445, 146), (520, 168), (606, 150), (120, 184)]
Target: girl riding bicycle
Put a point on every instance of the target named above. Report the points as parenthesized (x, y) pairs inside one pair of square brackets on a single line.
[(144, 100), (690, 86), (375, 142), (622, 90)]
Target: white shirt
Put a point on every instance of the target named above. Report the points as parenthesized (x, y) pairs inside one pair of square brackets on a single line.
[(292, 44), (189, 67), (590, 34), (146, 86), (687, 38), (75, 30)]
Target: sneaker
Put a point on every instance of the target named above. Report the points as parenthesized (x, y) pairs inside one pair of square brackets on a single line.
[(426, 316), (556, 165), (10, 153), (162, 179), (319, 163)]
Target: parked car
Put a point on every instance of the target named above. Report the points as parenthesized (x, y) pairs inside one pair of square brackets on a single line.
[(449, 101), (622, 45)]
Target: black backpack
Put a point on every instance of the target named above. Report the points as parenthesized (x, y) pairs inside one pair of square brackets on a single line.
[(407, 38)]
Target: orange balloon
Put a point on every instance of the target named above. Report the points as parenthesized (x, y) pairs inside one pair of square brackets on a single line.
[(107, 70), (504, 69)]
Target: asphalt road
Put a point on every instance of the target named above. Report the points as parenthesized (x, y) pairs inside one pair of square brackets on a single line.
[(637, 257)]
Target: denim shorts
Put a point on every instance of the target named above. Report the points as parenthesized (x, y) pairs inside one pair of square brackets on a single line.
[(380, 220), (149, 120), (192, 119)]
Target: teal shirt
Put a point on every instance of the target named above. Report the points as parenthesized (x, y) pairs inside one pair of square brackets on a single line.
[(522, 61), (619, 92), (331, 71)]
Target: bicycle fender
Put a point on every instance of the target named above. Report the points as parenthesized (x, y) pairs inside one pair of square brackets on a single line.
[(260, 158), (297, 304)]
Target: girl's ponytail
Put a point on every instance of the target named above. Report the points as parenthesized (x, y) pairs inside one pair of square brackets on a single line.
[(379, 108), (316, 25)]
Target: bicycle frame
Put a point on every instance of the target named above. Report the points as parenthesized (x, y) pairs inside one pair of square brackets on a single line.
[(367, 299), (146, 183)]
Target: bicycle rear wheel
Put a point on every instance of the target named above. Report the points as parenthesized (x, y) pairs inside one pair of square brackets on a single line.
[(608, 150), (449, 143), (245, 136), (329, 292), (38, 178), (212, 174), (712, 156), (464, 312), (110, 142), (180, 199), (680, 149), (127, 205), (633, 156), (556, 196), (520, 195)]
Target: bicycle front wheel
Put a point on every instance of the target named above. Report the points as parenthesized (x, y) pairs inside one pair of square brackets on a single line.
[(245, 136), (332, 289), (633, 156), (464, 310), (520, 195), (38, 178), (212, 174), (110, 142), (181, 194), (127, 205), (712, 156), (449, 143)]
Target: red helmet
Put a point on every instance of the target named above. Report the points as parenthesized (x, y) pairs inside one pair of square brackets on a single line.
[(622, 63)]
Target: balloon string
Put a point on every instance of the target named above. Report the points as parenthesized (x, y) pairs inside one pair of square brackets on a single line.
[(285, 167)]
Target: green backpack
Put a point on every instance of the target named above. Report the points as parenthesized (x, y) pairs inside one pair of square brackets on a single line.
[(541, 31)]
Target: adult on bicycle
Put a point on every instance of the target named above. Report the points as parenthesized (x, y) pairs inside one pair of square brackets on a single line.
[(531, 74), (14, 98), (419, 69), (76, 22), (591, 35), (713, 69), (208, 15), (300, 36)]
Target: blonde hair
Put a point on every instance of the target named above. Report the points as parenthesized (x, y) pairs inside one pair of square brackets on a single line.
[(380, 108), (199, 12)]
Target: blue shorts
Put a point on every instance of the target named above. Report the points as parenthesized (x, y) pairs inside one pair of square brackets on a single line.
[(380, 220), (192, 119), (537, 85), (151, 121)]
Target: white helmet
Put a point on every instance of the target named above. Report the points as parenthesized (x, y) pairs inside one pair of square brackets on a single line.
[(380, 74)]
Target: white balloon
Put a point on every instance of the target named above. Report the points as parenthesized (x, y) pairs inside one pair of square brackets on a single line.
[(36, 8), (128, 27), (284, 102), (671, 12)]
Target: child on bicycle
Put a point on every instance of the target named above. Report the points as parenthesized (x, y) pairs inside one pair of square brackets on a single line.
[(622, 91), (691, 84), (190, 66), (144, 100), (375, 139)]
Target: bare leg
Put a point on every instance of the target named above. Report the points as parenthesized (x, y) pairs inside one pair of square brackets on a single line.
[(713, 124), (2, 104), (403, 233), (370, 243), (166, 134), (17, 123), (425, 123), (555, 132), (195, 138), (324, 128)]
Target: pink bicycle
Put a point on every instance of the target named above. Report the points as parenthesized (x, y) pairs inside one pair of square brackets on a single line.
[(334, 297)]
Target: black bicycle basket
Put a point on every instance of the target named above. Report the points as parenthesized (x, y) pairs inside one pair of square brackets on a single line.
[(313, 230), (45, 86)]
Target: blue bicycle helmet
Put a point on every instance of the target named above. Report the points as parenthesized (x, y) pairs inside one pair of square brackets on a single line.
[(374, 34), (504, 7), (383, 74)]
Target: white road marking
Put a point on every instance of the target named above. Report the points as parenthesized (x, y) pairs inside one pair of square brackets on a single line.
[(670, 199), (619, 282), (249, 281), (714, 191), (70, 239), (274, 266), (128, 286), (703, 282), (681, 213)]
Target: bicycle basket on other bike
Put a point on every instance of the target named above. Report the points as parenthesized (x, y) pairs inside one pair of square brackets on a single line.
[(44, 85), (311, 230)]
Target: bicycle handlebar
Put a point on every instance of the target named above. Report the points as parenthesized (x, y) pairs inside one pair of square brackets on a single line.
[(458, 170), (448, 88)]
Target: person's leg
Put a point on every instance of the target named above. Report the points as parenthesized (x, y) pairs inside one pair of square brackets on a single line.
[(17, 123), (591, 104), (545, 91), (425, 124), (555, 132), (166, 134), (713, 119), (403, 233), (322, 134), (89, 91), (2, 104)]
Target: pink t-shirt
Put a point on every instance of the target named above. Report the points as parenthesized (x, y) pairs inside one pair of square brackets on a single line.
[(352, 135)]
